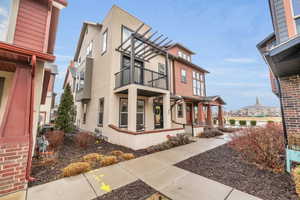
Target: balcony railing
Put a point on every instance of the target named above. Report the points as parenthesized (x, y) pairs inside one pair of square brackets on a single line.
[(142, 76)]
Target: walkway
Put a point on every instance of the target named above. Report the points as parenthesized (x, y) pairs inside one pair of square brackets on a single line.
[(156, 170)]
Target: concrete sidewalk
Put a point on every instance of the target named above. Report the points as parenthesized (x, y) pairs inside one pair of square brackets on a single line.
[(156, 170)]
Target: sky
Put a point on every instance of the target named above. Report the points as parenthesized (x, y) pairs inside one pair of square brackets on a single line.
[(223, 34)]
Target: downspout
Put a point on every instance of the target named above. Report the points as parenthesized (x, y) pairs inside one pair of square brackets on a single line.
[(29, 158), (282, 113)]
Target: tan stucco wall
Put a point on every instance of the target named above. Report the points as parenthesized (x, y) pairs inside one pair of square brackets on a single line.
[(46, 108)]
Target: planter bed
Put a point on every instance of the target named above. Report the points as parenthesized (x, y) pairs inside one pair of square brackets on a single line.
[(68, 153), (137, 190), (224, 165)]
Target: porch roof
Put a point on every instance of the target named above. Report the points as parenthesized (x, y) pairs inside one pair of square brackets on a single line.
[(211, 100)]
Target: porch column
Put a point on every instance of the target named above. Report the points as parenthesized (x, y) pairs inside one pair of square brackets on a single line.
[(132, 104), (201, 116), (166, 111), (209, 116), (220, 116)]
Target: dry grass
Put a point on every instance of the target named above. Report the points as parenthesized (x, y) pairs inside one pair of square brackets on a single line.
[(296, 177), (116, 153), (108, 160), (92, 157), (127, 156), (76, 168)]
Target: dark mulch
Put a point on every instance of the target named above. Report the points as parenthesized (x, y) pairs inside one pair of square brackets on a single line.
[(224, 165), (70, 152), (137, 190)]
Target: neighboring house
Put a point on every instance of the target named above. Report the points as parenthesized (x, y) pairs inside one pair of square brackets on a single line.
[(281, 52), (125, 86), (48, 101), (27, 39), (70, 77)]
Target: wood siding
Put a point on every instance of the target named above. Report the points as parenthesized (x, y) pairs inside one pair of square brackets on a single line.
[(31, 25)]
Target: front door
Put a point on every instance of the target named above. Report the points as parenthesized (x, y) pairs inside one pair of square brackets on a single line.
[(189, 110), (158, 116)]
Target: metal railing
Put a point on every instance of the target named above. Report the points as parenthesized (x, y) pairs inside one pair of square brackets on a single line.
[(142, 76)]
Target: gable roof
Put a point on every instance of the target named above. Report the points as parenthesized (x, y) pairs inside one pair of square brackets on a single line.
[(182, 47)]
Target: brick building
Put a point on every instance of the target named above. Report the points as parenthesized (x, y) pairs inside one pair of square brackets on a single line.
[(281, 52)]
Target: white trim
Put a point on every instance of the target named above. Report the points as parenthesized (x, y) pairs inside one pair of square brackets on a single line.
[(12, 21), (58, 5), (294, 17)]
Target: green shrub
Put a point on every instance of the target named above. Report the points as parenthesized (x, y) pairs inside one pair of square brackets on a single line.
[(242, 122), (253, 123), (232, 122)]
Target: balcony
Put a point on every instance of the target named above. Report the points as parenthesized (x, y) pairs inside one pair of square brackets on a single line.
[(142, 76)]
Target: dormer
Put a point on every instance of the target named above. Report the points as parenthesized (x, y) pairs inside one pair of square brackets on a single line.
[(181, 51)]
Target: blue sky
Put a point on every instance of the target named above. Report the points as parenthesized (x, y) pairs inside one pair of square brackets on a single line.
[(223, 33)]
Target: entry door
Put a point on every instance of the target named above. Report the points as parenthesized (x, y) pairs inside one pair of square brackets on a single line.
[(189, 111), (158, 116)]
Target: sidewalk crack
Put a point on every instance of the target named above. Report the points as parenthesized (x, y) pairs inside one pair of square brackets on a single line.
[(229, 194), (90, 185)]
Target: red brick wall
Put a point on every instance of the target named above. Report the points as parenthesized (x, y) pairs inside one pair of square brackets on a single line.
[(183, 89), (290, 87), (13, 163)]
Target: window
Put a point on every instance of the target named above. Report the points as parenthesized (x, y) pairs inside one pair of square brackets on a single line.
[(101, 112), (123, 112), (84, 114), (81, 80), (195, 113), (89, 49), (161, 68), (5, 15), (183, 76), (126, 33), (196, 83), (1, 88), (180, 111), (104, 41), (296, 11), (140, 115)]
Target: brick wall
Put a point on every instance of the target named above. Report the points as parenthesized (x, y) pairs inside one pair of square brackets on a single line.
[(13, 162), (290, 87)]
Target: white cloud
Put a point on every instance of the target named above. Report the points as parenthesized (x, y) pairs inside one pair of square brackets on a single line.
[(240, 60), (3, 12)]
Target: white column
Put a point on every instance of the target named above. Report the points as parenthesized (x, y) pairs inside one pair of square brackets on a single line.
[(166, 110), (132, 104)]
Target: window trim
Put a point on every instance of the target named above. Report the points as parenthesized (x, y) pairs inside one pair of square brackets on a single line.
[(12, 21), (104, 51), (181, 114), (99, 112), (295, 17), (2, 84), (181, 77)]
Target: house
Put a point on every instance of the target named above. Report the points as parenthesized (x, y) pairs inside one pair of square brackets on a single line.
[(281, 51), (48, 100), (27, 40), (126, 89)]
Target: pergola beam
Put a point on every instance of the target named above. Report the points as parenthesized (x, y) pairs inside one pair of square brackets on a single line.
[(139, 28)]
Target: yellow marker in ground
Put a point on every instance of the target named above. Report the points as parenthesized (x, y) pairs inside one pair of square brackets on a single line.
[(105, 187)]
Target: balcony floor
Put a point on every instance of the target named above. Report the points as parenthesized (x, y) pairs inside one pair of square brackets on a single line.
[(142, 90)]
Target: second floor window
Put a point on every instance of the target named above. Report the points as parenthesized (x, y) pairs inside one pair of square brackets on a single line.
[(197, 84), (5, 13), (161, 68), (183, 76), (104, 42), (296, 11), (89, 49)]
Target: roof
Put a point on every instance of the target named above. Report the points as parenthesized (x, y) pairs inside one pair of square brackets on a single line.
[(188, 63), (181, 46), (63, 2), (206, 99), (266, 40), (82, 34)]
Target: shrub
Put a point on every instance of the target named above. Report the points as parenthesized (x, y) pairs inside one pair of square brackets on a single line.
[(92, 157), (263, 146), (296, 177), (108, 160), (242, 122), (232, 122), (84, 139), (253, 123), (127, 156), (76, 168), (55, 139), (228, 130), (116, 153), (210, 132)]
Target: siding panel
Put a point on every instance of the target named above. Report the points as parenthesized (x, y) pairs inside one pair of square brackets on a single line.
[(31, 25)]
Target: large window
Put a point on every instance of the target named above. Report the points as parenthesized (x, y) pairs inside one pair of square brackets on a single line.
[(196, 84), (5, 15), (123, 112), (89, 49), (126, 33), (101, 112), (140, 114), (180, 111), (104, 42), (183, 76), (161, 68), (296, 11)]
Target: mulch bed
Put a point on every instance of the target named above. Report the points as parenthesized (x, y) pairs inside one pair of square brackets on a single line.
[(224, 165), (137, 190), (69, 152)]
